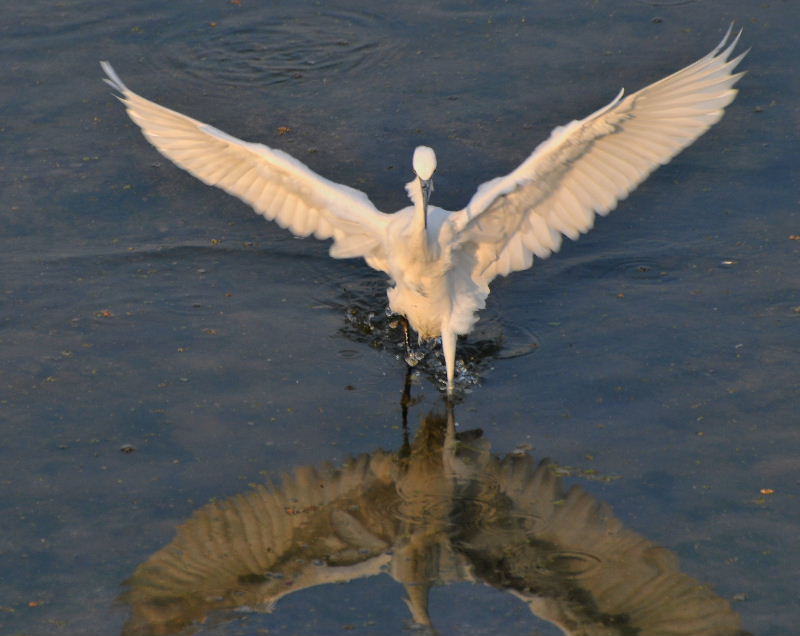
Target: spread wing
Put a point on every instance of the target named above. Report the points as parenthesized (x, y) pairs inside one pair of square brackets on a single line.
[(277, 185), (588, 166)]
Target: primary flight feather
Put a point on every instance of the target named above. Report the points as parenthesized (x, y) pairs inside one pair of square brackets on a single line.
[(441, 263)]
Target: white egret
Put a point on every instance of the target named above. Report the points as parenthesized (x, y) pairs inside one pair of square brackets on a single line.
[(441, 263)]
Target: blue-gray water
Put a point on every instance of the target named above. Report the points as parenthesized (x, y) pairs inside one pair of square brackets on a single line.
[(142, 308)]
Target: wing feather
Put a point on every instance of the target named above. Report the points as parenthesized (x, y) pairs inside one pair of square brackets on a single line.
[(586, 167), (276, 185)]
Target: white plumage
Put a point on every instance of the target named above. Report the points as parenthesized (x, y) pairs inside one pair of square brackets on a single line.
[(441, 263)]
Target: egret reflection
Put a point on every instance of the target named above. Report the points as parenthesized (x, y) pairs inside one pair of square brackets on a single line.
[(443, 509)]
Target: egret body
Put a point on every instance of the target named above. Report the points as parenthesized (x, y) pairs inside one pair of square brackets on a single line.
[(440, 264)]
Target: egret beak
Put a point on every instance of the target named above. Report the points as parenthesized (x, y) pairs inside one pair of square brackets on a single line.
[(426, 185)]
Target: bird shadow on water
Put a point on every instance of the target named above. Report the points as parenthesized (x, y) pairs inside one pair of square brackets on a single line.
[(368, 320), (442, 510)]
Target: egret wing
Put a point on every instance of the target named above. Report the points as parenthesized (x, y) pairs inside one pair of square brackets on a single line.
[(277, 185), (588, 166)]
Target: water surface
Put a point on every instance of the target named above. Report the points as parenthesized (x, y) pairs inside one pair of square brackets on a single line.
[(145, 312)]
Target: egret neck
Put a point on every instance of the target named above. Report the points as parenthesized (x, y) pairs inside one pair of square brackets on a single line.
[(424, 188)]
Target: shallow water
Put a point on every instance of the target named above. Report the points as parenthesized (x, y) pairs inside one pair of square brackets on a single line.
[(144, 311)]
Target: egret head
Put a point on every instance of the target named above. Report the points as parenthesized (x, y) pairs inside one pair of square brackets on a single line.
[(424, 162)]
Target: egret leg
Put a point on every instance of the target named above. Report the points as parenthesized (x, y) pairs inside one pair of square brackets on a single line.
[(449, 347), (406, 341)]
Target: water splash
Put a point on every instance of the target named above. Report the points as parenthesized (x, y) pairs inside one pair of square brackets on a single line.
[(492, 339)]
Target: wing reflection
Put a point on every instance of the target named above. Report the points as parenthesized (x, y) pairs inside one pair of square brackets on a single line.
[(442, 509)]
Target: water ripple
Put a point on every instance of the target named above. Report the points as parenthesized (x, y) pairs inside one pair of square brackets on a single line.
[(275, 48), (368, 321), (644, 269)]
